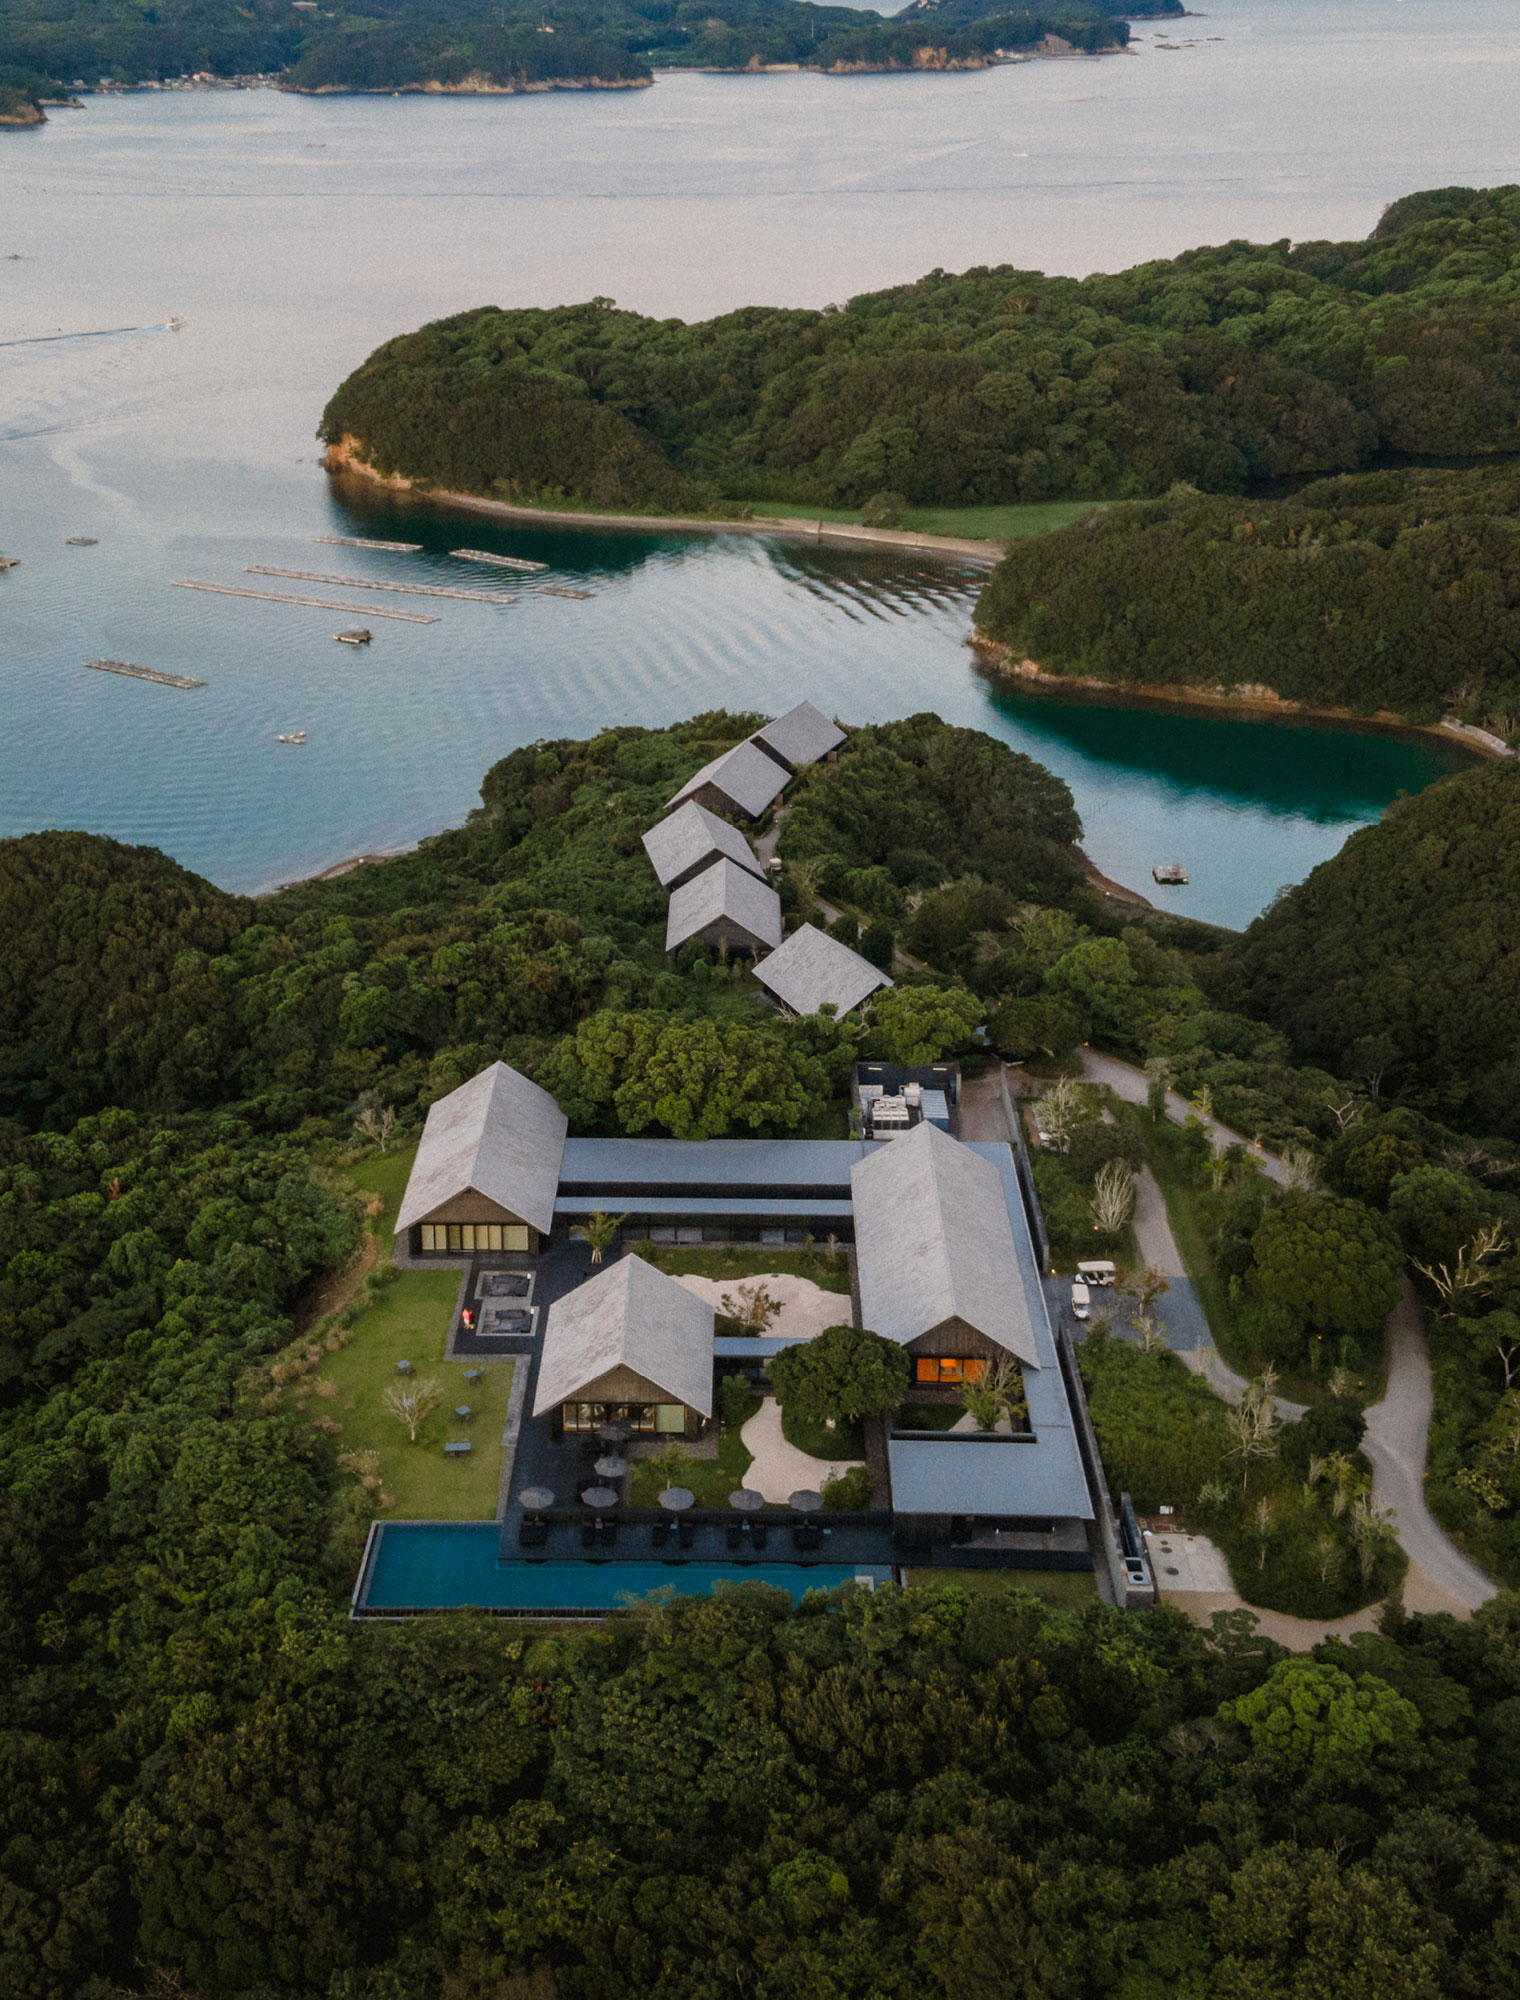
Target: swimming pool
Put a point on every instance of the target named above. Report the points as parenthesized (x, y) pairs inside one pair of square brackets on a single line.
[(445, 1565)]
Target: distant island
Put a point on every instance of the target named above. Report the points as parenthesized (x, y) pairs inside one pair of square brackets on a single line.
[(470, 47)]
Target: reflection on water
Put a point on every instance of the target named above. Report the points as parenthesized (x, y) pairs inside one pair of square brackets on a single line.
[(191, 454)]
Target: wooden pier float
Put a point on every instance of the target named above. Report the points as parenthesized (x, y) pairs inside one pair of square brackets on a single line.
[(320, 603), (501, 562)]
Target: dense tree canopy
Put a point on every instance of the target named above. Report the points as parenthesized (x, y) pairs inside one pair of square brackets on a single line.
[(1399, 960), (1395, 590), (1219, 367)]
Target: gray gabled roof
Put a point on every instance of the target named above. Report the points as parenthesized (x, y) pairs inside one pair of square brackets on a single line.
[(812, 970), (691, 835), (744, 774), (499, 1135), (933, 1242), (801, 736), (628, 1316), (723, 892)]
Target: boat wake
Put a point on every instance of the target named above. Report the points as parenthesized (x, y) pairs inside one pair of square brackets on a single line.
[(170, 325)]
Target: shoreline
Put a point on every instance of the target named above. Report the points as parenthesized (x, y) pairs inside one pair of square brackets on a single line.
[(1256, 704), (339, 464)]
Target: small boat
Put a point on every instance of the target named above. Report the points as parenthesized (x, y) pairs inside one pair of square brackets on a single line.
[(82, 542), (294, 736), (1170, 874), (360, 636), (9, 562), (174, 322)]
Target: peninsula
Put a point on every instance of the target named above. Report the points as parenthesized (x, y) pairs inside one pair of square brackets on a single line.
[(476, 47)]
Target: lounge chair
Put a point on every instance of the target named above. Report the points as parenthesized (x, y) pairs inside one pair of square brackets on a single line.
[(760, 1534), (735, 1533), (533, 1535), (686, 1534), (661, 1533), (588, 1534), (608, 1537)]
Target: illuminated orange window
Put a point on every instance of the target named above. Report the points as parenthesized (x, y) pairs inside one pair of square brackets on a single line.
[(948, 1368)]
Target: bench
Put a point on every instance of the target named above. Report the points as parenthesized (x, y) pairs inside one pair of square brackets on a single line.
[(457, 1448)]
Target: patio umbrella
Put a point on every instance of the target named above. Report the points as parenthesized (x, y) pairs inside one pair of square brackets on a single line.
[(747, 1500), (676, 1499), (805, 1500), (535, 1499), (599, 1497), (611, 1467), (614, 1433)]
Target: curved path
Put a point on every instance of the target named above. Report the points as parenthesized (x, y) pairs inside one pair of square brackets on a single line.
[(1398, 1428)]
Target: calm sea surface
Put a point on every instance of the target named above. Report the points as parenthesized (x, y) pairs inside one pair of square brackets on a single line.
[(296, 234)]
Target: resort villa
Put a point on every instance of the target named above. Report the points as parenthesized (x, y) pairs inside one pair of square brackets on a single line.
[(557, 1240)]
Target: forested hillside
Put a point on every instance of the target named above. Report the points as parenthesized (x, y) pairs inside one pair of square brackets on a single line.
[(401, 44), (1219, 368), (1396, 590), (1398, 961)]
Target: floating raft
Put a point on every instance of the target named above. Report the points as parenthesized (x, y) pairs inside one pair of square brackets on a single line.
[(144, 674), (1170, 873), (502, 562), (356, 542), (9, 562), (294, 736), (321, 603), (561, 590), (374, 583), (83, 542), (358, 637)]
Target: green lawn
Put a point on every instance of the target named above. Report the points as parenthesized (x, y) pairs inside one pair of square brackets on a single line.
[(1004, 524), (929, 1416), (409, 1321), (1062, 1589), (740, 1261), (834, 1447), (711, 1479)]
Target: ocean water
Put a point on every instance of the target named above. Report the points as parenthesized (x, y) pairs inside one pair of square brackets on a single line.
[(295, 234)]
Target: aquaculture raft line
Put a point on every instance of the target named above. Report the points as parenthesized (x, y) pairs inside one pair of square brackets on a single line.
[(357, 542), (374, 583), (501, 562), (144, 673), (321, 603)]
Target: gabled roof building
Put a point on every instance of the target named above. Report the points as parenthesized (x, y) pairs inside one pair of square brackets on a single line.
[(803, 735), (690, 839), (629, 1338), (487, 1168), (939, 1271), (744, 780), (812, 970), (725, 905)]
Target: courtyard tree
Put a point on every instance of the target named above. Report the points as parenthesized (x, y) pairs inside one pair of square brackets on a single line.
[(1113, 1198), (841, 1375), (412, 1403), (600, 1231)]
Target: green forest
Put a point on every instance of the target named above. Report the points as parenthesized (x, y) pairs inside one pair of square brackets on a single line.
[(221, 1789), (1382, 590), (399, 44), (1221, 368)]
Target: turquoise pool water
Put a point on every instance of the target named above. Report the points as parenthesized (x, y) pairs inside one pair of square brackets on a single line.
[(444, 1565)]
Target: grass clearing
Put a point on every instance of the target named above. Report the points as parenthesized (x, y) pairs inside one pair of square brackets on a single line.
[(1001, 524), (834, 1447)]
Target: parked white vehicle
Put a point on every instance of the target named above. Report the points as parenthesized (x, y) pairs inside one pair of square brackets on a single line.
[(1081, 1299), (1097, 1271)]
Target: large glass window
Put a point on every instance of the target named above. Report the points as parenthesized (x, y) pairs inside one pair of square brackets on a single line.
[(639, 1417), (466, 1237), (950, 1368)]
